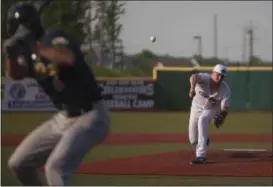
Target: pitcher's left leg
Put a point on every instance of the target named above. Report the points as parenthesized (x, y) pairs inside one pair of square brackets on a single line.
[(203, 123)]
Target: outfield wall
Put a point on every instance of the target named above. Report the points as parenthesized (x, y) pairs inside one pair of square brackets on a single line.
[(251, 87), (168, 90)]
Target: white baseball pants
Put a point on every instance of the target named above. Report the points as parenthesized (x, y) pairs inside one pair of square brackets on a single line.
[(198, 128)]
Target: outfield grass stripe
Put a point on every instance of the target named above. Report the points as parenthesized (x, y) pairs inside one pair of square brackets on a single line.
[(130, 139), (104, 152), (168, 122)]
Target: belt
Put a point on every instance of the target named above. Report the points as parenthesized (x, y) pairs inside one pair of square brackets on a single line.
[(207, 97), (74, 112), (202, 94)]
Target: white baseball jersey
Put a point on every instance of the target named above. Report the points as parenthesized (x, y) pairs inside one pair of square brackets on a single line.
[(204, 99)]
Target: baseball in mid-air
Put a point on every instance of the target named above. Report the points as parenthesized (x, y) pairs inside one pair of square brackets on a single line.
[(153, 38)]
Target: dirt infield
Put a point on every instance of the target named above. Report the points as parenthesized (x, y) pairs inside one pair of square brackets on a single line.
[(128, 139), (221, 163)]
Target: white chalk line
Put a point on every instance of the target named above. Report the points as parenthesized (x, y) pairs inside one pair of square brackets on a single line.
[(247, 150)]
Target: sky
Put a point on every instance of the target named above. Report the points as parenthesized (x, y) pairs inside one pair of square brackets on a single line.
[(174, 23)]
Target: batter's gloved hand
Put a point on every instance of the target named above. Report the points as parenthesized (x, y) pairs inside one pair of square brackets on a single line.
[(219, 119)]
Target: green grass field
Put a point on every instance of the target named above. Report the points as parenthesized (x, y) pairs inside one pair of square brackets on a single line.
[(245, 122)]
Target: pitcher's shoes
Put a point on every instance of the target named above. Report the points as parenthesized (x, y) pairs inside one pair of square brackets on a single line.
[(199, 160)]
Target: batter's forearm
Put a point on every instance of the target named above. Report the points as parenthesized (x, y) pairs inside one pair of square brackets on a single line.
[(61, 56)]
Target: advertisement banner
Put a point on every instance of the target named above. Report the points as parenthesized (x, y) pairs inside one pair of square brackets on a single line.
[(26, 95), (128, 94)]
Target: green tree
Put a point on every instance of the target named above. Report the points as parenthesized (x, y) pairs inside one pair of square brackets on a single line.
[(68, 16), (255, 61), (145, 54), (100, 23), (107, 28), (114, 10), (108, 14)]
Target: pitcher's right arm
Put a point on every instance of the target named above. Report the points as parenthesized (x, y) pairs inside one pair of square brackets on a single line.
[(199, 78)]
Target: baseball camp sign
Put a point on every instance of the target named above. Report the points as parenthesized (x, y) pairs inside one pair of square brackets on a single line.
[(128, 94), (26, 95)]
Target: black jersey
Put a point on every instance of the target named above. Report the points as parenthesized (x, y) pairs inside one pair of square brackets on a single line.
[(73, 87)]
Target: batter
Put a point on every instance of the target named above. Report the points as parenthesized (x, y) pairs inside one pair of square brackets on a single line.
[(82, 121), (210, 103)]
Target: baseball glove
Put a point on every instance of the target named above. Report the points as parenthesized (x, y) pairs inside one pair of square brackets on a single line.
[(219, 119)]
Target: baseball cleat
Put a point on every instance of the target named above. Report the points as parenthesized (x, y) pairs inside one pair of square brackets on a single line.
[(199, 160)]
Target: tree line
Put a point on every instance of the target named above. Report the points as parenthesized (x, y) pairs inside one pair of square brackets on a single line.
[(85, 20), (96, 21)]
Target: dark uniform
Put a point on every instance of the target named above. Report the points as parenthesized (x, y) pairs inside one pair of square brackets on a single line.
[(82, 121), (80, 88)]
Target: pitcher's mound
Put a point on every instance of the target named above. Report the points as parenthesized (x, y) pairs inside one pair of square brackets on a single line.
[(220, 163)]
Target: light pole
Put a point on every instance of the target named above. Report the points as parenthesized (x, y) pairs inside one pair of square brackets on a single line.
[(199, 44), (250, 32), (215, 35)]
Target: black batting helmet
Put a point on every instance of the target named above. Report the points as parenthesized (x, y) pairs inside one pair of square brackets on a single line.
[(24, 13)]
